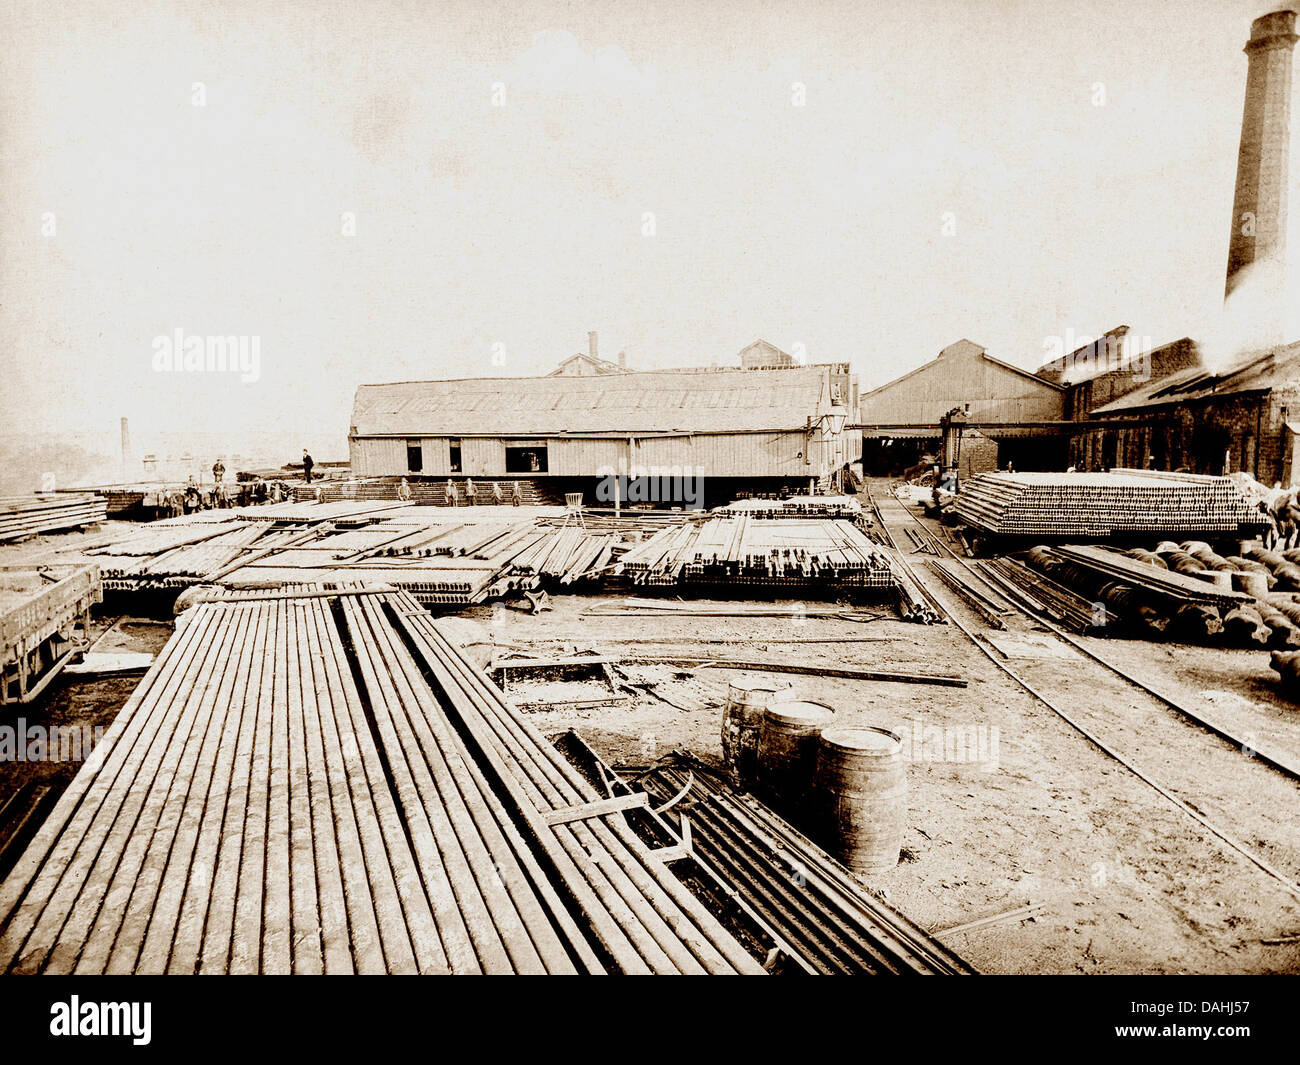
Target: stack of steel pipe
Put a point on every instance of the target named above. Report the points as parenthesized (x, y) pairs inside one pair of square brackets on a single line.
[(646, 920), (741, 550), (1104, 504), (29, 515), (281, 795), (816, 905)]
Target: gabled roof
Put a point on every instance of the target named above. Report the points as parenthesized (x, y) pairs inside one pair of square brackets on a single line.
[(966, 347), (630, 403), (598, 366), (763, 353)]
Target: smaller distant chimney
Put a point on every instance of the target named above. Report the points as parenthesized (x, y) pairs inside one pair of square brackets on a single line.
[(591, 345), (622, 360), (126, 450)]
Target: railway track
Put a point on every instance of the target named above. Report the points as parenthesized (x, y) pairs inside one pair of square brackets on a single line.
[(1241, 795)]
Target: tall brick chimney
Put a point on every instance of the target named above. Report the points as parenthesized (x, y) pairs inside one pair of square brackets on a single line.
[(1259, 207), (591, 345)]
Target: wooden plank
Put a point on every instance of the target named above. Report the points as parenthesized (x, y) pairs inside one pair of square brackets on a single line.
[(598, 808)]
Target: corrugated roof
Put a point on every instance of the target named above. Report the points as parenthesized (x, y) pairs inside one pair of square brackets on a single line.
[(1253, 372), (641, 402)]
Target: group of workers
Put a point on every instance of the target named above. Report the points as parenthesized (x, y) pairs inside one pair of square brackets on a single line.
[(193, 497), (494, 494)]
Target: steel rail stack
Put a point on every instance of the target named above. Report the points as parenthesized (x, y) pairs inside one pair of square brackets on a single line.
[(1123, 502), (646, 920), (30, 515), (315, 780), (738, 550)]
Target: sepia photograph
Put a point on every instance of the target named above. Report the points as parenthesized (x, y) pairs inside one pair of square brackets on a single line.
[(699, 487)]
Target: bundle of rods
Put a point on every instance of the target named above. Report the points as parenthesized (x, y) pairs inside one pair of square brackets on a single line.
[(29, 515), (283, 793), (820, 910), (773, 553), (644, 918), (1103, 504)]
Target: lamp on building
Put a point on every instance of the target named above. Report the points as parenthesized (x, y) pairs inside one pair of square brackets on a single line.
[(833, 421)]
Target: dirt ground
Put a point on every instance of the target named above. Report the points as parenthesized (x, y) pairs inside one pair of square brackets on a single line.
[(1008, 801)]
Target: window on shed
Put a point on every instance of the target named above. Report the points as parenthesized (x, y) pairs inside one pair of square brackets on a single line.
[(453, 455), (414, 456)]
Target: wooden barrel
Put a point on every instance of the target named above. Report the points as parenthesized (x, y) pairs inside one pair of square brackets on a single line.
[(787, 753), (860, 797), (742, 718)]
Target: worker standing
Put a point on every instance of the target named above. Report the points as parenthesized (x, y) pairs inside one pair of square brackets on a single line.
[(218, 471), (404, 491), (307, 464)]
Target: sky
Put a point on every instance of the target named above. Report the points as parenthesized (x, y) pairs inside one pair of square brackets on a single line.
[(397, 190)]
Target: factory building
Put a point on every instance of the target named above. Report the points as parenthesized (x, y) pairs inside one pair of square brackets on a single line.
[(1008, 406), (734, 431), (1244, 417)]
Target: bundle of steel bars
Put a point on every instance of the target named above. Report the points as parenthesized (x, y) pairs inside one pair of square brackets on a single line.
[(317, 781), (29, 515), (645, 919), (1104, 504), (742, 550), (799, 507), (420, 549), (816, 907)]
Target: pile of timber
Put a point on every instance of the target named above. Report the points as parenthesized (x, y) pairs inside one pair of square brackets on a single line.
[(1122, 502), (321, 782), (826, 920), (28, 515), (741, 550)]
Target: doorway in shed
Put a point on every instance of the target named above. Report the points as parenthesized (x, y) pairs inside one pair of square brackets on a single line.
[(526, 457)]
